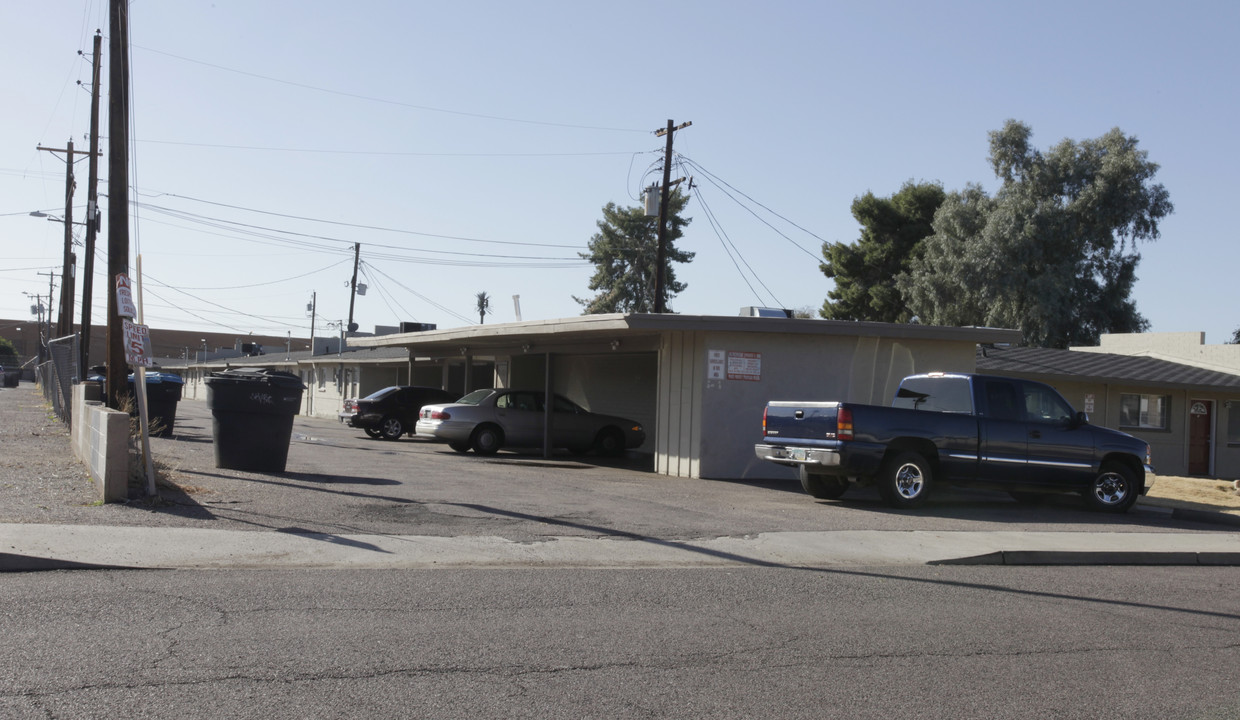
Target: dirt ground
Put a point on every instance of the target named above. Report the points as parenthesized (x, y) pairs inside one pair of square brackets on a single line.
[(1194, 493)]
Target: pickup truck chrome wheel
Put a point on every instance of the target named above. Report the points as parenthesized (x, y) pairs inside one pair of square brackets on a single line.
[(1113, 490), (905, 480)]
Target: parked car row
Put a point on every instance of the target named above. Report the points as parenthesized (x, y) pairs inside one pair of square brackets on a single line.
[(391, 412), (487, 420)]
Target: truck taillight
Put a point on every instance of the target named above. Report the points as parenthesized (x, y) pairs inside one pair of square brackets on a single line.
[(844, 424), (764, 422)]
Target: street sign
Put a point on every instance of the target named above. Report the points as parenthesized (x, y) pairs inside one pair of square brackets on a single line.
[(124, 297), (137, 344)]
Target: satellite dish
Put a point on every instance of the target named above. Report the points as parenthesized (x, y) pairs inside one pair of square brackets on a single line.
[(352, 327)]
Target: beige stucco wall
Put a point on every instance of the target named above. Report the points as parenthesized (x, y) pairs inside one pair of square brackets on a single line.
[(1188, 348), (709, 425)]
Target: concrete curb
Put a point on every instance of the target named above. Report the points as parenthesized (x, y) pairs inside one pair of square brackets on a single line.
[(1042, 557), (26, 548)]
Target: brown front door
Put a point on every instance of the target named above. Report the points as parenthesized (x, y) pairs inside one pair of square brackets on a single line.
[(1200, 420)]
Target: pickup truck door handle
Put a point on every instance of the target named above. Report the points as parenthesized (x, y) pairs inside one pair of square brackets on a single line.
[(1035, 434), (800, 414)]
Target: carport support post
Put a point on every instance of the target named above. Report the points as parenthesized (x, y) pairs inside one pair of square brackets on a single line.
[(547, 395)]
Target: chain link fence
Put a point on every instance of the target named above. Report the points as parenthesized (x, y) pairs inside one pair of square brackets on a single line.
[(57, 375)]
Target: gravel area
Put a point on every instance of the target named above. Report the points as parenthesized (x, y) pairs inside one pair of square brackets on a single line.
[(40, 479)]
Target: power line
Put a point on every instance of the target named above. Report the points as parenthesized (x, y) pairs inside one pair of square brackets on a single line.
[(257, 231), (719, 183), (382, 153), (419, 295), (361, 226), (726, 242), (385, 101)]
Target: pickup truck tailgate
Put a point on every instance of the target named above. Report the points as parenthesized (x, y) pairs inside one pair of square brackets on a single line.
[(787, 421)]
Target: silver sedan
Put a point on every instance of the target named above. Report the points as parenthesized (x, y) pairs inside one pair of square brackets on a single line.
[(487, 420)]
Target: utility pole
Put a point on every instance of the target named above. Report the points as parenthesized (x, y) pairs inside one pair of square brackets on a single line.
[(65, 325), (92, 214), (314, 308), (64, 321), (118, 191), (45, 332), (357, 255), (661, 255)]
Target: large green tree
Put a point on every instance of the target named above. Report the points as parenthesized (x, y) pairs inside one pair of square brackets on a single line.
[(8, 353), (864, 272), (624, 252), (1053, 252)]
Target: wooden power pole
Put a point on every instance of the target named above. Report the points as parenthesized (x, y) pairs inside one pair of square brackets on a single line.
[(92, 215), (118, 191), (664, 196)]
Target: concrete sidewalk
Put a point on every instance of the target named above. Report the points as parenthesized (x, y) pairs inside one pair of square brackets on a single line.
[(50, 547)]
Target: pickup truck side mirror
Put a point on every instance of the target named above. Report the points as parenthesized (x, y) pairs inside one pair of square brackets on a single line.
[(1081, 418)]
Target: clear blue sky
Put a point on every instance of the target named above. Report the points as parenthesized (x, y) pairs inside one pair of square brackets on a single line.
[(470, 146)]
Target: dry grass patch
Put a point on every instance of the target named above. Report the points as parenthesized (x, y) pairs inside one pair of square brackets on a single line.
[(1195, 493)]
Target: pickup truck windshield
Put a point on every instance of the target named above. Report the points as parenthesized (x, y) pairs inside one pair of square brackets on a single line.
[(944, 394)]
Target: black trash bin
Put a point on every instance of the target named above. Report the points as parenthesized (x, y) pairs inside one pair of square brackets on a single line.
[(163, 392), (252, 413)]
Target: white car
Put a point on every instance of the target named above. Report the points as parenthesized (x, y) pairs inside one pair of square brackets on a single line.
[(487, 420)]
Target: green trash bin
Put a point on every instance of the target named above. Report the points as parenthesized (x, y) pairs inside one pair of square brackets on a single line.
[(252, 413)]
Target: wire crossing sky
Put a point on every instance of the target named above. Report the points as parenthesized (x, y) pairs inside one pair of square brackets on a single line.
[(471, 148)]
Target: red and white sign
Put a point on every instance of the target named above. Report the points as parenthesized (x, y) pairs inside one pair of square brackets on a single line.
[(124, 297), (744, 366), (137, 344)]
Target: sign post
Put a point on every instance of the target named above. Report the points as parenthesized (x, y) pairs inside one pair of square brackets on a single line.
[(137, 341)]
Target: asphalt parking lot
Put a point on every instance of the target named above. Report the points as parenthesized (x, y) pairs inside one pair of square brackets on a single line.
[(339, 481)]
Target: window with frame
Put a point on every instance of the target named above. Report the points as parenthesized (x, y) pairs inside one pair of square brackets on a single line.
[(1233, 422), (1043, 404), (1146, 412)]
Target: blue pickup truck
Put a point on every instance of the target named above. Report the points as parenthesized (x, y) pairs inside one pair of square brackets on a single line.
[(957, 428)]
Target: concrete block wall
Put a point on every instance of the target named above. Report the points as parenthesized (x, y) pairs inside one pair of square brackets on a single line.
[(100, 438)]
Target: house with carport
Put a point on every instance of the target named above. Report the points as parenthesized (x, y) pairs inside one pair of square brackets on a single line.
[(698, 383)]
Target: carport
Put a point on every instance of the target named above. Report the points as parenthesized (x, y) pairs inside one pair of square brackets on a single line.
[(697, 383)]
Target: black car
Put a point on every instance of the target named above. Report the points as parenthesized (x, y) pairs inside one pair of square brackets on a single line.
[(392, 411), (9, 377)]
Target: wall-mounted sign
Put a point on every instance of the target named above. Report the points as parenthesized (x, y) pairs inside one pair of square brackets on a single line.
[(124, 297), (1089, 402), (715, 363), (744, 366)]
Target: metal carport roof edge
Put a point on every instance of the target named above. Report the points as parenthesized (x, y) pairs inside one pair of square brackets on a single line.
[(597, 328)]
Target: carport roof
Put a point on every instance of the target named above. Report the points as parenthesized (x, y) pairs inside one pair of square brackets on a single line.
[(589, 329), (1050, 364)]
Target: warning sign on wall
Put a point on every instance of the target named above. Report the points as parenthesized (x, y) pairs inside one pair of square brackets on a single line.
[(744, 366)]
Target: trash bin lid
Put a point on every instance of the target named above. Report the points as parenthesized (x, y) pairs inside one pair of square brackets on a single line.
[(155, 378), (278, 378)]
